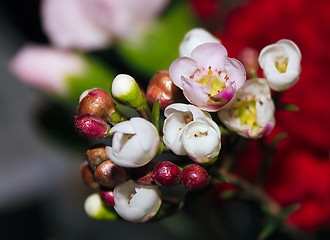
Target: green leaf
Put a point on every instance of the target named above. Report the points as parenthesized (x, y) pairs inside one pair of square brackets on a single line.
[(155, 112), (160, 46), (267, 230), (96, 75), (288, 210), (277, 139), (289, 107)]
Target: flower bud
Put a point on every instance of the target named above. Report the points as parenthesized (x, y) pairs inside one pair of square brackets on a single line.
[(194, 38), (143, 175), (280, 63), (96, 155), (162, 88), (126, 90), (166, 174), (136, 203), (96, 209), (109, 174), (194, 177), (135, 143), (91, 126), (249, 57), (96, 102), (107, 197), (87, 176)]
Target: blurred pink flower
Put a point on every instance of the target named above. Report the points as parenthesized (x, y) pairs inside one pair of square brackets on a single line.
[(46, 68), (94, 24)]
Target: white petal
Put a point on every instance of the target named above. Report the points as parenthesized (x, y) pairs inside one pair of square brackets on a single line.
[(183, 66)]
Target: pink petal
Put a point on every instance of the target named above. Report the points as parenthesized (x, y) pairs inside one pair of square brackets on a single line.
[(196, 93), (183, 66), (235, 71), (210, 54)]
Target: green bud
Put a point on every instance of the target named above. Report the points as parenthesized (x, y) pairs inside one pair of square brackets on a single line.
[(96, 209), (125, 89)]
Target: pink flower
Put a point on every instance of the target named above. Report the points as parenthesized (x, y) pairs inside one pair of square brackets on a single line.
[(209, 79), (94, 24), (46, 68)]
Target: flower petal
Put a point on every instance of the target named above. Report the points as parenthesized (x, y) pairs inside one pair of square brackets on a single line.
[(210, 54), (235, 71), (183, 66)]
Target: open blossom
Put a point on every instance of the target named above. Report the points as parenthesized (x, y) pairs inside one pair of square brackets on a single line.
[(194, 38), (190, 131), (209, 79), (47, 68), (178, 115), (136, 203), (251, 113), (93, 24), (201, 140), (281, 64), (134, 144)]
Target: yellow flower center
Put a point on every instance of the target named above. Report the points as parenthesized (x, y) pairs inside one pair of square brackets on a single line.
[(247, 113), (281, 64)]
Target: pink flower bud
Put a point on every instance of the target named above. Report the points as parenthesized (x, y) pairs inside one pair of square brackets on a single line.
[(109, 174), (97, 102), (194, 177), (107, 197), (91, 126), (166, 174), (162, 88), (249, 57)]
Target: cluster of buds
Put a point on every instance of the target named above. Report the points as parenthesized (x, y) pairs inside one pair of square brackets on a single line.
[(129, 173)]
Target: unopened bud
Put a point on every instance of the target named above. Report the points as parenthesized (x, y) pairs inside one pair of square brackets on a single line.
[(96, 155), (166, 174), (143, 175), (126, 90), (107, 197), (96, 102), (91, 126), (109, 174), (249, 57), (87, 176), (162, 88), (96, 209), (194, 177)]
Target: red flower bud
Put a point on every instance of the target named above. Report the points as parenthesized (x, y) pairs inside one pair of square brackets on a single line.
[(96, 102), (109, 174), (107, 197), (91, 126), (166, 174), (143, 175), (162, 88), (194, 177)]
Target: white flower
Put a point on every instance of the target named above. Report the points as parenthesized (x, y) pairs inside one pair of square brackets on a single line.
[(281, 64), (201, 139), (136, 203), (251, 114), (178, 115), (194, 38), (47, 68), (134, 144), (190, 131)]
